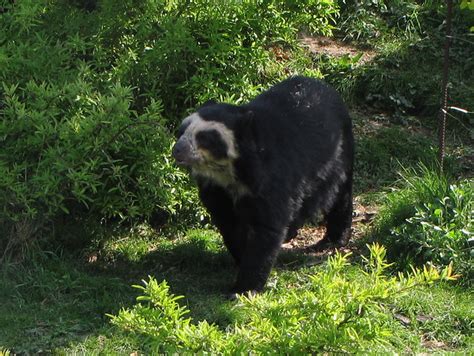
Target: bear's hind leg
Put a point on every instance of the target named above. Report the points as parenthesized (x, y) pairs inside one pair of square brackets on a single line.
[(338, 220), (294, 227), (308, 211)]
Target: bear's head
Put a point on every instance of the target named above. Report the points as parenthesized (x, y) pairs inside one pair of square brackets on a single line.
[(208, 141)]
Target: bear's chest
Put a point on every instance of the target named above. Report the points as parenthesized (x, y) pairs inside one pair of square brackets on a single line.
[(223, 175)]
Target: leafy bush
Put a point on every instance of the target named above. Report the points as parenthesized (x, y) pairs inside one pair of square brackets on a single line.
[(333, 311), (409, 37), (89, 98), (194, 51), (430, 221), (97, 155), (369, 20)]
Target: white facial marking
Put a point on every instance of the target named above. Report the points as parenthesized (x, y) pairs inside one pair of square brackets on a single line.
[(197, 123), (219, 171)]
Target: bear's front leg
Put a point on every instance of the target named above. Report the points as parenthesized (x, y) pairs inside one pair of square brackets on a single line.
[(261, 251)]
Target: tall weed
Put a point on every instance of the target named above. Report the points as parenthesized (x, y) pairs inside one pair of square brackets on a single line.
[(333, 311), (430, 220)]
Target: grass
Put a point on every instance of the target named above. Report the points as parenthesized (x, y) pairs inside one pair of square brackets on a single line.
[(60, 304), (382, 150), (443, 316), (58, 299), (54, 302)]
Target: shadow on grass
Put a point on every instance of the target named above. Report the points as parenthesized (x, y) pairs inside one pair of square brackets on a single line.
[(52, 302), (59, 301), (382, 151)]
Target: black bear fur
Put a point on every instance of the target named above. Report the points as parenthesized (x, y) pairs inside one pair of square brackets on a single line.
[(294, 159)]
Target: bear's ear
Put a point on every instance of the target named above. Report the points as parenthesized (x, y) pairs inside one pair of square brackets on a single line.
[(246, 126), (208, 103), (248, 116)]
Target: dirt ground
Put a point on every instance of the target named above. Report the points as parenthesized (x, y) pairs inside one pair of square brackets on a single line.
[(335, 48), (308, 236)]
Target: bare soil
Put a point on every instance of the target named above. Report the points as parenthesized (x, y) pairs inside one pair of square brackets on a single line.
[(308, 236), (335, 48)]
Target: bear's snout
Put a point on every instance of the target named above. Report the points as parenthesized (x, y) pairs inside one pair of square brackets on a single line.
[(183, 152)]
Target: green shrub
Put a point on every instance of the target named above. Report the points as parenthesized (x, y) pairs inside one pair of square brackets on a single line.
[(194, 51), (430, 221), (409, 37), (368, 21), (331, 311), (91, 92), (71, 149)]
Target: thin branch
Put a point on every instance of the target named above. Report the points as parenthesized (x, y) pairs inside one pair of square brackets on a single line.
[(460, 39), (457, 119), (444, 104)]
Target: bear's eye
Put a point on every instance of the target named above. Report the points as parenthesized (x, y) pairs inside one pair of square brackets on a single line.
[(212, 141)]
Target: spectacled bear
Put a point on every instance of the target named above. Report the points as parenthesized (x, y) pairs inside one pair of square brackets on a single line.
[(265, 167)]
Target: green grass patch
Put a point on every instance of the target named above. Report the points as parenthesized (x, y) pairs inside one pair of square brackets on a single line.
[(60, 305), (443, 316), (381, 152), (52, 303)]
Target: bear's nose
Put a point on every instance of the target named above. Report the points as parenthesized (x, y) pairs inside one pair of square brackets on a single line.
[(182, 151)]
